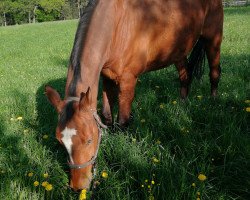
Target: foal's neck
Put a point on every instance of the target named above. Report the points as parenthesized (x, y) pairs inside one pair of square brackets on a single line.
[(94, 51)]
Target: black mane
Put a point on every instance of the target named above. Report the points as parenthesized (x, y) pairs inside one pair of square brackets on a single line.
[(80, 37)]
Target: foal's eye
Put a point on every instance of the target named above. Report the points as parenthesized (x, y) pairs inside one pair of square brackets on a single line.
[(89, 142)]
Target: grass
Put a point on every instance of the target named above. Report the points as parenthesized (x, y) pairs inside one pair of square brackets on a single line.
[(201, 135)]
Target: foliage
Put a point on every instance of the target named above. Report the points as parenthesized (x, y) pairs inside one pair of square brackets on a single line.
[(26, 11), (172, 150)]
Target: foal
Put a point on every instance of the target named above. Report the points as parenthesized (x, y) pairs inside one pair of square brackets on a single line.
[(120, 40)]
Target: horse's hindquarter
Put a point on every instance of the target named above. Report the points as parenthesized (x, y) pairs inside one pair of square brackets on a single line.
[(152, 34)]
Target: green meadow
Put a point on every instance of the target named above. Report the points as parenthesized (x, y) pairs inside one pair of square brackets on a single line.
[(166, 147)]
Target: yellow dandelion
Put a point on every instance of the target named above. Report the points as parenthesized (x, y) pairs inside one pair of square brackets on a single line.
[(193, 184), (45, 183), (83, 195), (143, 121), (45, 137), (247, 101), (158, 142), (36, 183), (146, 181), (162, 106), (198, 198), (174, 102), (198, 193), (104, 174), (149, 186), (134, 140), (248, 109), (152, 182), (202, 177), (155, 160), (48, 187), (19, 118), (46, 175), (199, 97), (151, 197), (30, 174)]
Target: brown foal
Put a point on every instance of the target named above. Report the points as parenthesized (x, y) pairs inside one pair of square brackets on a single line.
[(120, 40)]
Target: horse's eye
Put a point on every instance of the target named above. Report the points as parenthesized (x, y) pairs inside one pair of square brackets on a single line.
[(89, 142)]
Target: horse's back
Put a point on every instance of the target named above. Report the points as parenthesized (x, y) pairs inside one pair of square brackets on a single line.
[(151, 34)]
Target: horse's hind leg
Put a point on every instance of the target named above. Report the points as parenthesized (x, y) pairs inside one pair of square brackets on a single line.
[(127, 85), (184, 77), (109, 96), (212, 48)]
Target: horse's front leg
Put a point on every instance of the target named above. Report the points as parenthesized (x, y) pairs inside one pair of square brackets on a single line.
[(127, 85), (213, 55), (184, 77), (109, 96)]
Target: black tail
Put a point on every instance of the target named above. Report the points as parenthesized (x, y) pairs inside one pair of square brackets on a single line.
[(196, 60)]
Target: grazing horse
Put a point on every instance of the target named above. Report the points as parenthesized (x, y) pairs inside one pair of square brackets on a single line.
[(120, 40)]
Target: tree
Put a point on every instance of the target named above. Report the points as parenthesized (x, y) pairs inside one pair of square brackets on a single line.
[(30, 7), (49, 5), (5, 6)]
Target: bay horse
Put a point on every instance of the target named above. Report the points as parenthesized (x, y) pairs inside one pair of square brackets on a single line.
[(120, 40)]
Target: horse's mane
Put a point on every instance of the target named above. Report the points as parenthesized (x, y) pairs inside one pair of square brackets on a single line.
[(80, 37)]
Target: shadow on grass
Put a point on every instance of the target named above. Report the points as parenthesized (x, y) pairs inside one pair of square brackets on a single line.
[(15, 164), (23, 152), (221, 124)]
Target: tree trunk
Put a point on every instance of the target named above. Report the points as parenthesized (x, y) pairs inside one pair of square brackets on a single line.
[(79, 8), (4, 19), (34, 14), (29, 18)]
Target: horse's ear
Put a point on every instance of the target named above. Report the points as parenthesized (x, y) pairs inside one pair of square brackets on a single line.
[(85, 99), (53, 97)]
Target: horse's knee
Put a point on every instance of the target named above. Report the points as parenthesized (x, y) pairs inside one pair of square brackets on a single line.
[(184, 77), (184, 92), (124, 122), (215, 73), (107, 117)]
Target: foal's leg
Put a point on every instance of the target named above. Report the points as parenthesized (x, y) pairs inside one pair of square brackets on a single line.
[(126, 96), (184, 77), (109, 96), (213, 55)]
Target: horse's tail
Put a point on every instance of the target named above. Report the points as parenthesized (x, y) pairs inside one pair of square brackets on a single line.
[(196, 60)]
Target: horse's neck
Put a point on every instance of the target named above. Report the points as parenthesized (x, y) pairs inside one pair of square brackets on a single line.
[(94, 52)]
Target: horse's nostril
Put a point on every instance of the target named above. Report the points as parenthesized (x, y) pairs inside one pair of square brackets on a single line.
[(78, 190)]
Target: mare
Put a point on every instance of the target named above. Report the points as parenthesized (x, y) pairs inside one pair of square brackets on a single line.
[(120, 40)]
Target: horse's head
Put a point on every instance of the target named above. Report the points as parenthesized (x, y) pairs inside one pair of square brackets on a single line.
[(78, 130)]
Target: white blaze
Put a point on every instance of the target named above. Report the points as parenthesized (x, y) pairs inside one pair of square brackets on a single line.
[(68, 133)]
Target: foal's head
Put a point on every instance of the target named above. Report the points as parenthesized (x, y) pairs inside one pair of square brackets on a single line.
[(78, 131)]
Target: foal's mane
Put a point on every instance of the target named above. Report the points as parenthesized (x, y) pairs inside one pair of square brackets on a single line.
[(77, 50)]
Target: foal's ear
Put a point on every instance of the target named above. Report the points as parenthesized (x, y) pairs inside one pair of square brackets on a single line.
[(53, 97), (85, 99)]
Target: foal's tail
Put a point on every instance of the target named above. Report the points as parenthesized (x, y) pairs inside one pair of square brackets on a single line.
[(196, 60)]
